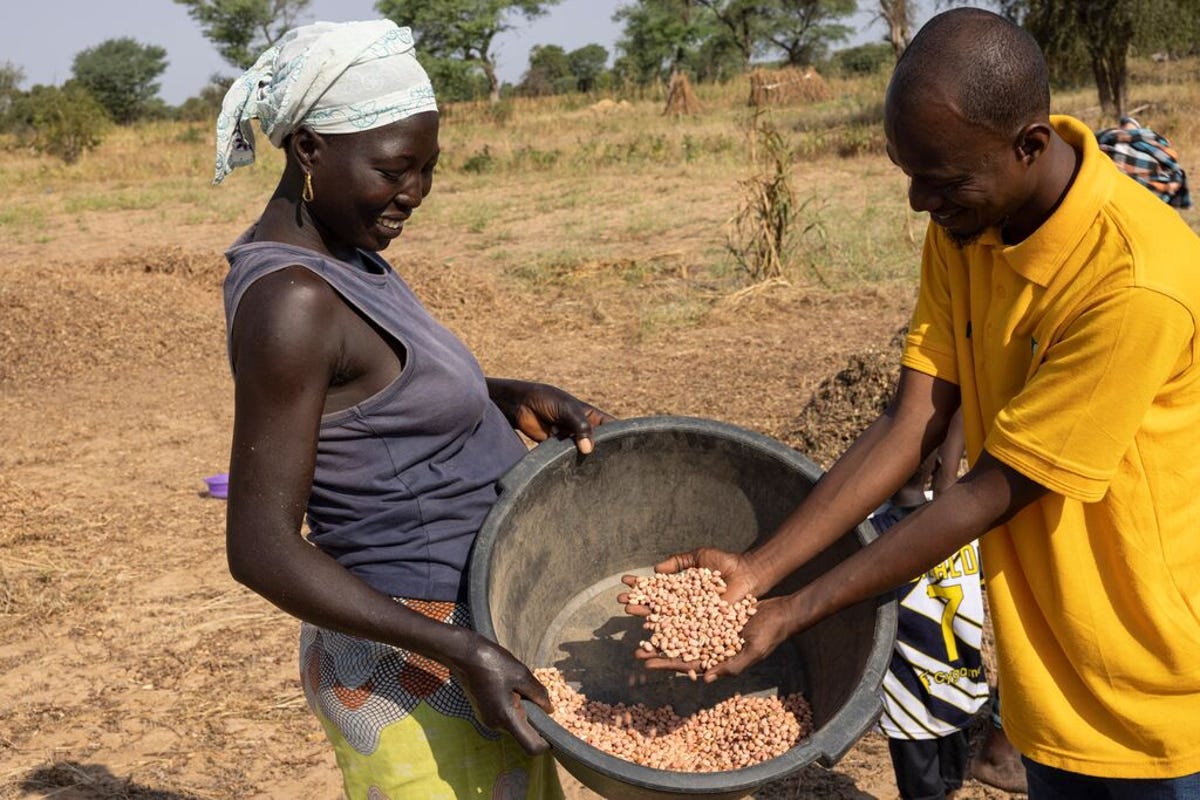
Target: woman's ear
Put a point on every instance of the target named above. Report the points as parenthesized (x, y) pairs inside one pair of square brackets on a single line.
[(1031, 142), (305, 146)]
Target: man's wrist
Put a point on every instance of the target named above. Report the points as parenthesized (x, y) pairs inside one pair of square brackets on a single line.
[(761, 568)]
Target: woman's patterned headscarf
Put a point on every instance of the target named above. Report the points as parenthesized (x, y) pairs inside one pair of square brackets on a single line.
[(333, 77)]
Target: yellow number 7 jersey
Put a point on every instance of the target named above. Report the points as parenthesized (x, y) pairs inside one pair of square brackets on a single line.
[(935, 682)]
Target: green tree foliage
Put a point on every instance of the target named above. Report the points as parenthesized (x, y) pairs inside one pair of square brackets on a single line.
[(1098, 36), (863, 59), (549, 71), (661, 36), (455, 80), (744, 23), (61, 121), (587, 65), (242, 29), (553, 70), (804, 30), (205, 106), (11, 78), (717, 59), (712, 38), (462, 29), (122, 75)]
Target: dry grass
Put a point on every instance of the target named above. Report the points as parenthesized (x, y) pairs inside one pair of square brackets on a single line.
[(559, 160), (133, 666)]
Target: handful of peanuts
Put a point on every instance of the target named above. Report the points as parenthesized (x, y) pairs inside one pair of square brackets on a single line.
[(688, 618), (691, 622)]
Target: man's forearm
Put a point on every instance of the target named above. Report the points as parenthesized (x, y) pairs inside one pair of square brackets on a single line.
[(879, 462), (985, 498), (874, 467)]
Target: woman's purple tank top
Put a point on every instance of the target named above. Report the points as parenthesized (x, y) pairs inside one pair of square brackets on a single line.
[(404, 479)]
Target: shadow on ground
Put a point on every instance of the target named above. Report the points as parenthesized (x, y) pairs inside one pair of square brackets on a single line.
[(70, 780), (813, 783)]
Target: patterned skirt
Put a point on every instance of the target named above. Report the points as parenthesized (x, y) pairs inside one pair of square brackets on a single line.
[(402, 727)]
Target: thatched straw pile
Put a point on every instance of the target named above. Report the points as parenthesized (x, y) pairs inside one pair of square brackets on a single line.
[(778, 87), (681, 99)]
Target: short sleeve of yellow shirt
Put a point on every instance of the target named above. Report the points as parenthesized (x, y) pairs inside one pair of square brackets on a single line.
[(930, 345), (1070, 426), (1110, 339)]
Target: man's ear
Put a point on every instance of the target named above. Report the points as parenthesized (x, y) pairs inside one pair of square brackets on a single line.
[(1031, 142)]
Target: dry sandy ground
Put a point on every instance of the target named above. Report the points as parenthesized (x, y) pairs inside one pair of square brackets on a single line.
[(131, 665)]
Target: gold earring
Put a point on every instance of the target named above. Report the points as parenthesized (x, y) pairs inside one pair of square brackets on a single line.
[(307, 194)]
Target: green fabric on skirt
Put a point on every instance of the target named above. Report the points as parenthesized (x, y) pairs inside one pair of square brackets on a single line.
[(402, 727)]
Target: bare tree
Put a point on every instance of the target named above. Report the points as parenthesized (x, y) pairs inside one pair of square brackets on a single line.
[(898, 14)]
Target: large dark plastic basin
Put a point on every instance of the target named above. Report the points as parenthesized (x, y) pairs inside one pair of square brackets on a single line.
[(544, 577)]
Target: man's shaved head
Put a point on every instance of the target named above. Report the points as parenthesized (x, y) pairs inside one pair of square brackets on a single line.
[(990, 68)]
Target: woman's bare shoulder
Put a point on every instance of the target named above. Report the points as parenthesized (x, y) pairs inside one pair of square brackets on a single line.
[(288, 318)]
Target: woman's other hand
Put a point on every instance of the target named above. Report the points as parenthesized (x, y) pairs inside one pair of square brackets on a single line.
[(540, 411), (495, 682)]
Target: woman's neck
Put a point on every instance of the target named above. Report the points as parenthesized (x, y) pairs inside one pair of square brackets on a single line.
[(286, 220)]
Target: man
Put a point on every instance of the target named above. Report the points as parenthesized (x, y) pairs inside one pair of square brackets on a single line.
[(1058, 306)]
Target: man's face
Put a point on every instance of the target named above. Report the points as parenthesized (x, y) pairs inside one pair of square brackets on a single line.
[(967, 177)]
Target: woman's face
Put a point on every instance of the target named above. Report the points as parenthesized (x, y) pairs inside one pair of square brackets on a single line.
[(366, 185)]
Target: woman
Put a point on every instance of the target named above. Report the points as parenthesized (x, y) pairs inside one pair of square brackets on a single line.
[(352, 404)]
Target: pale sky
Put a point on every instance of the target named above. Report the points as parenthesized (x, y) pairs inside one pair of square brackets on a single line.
[(43, 36)]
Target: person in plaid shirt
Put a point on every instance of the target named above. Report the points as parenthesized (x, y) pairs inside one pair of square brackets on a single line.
[(1148, 158)]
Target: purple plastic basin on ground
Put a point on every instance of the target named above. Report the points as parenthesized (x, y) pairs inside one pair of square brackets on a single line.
[(218, 485)]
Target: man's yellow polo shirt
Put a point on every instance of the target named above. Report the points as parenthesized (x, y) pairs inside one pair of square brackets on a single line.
[(1077, 356)]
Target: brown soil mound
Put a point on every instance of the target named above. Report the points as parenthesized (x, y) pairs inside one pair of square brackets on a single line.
[(845, 403)]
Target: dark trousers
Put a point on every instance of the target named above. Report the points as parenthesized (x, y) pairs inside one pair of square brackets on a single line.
[(1048, 783), (926, 769)]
